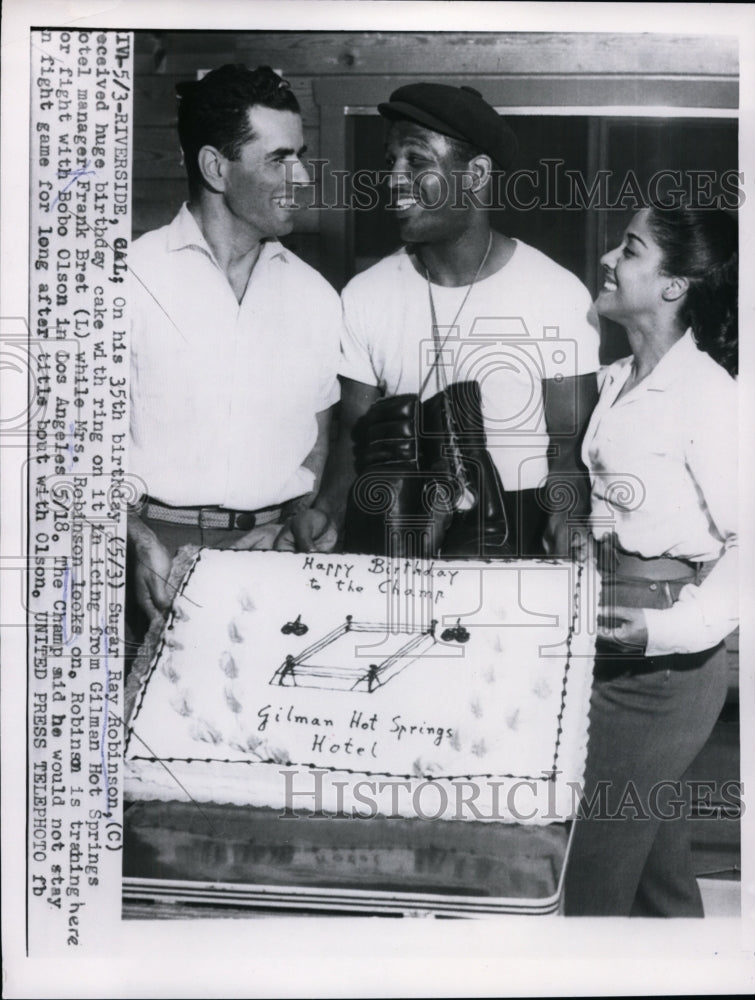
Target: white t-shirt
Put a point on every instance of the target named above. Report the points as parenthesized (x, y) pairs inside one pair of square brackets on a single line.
[(531, 320), (224, 395), (663, 463)]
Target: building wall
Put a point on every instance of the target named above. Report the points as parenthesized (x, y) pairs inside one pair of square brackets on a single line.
[(329, 70)]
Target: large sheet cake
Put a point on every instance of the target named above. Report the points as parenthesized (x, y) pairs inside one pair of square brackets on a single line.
[(360, 685)]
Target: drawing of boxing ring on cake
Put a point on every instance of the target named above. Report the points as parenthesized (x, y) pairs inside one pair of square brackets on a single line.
[(341, 669)]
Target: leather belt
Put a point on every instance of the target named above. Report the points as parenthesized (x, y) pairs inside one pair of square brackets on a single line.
[(637, 582), (222, 518), (614, 561)]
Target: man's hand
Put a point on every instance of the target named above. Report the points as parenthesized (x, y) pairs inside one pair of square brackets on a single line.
[(624, 628), (308, 531), (566, 539), (556, 537), (151, 572), (568, 404), (260, 539)]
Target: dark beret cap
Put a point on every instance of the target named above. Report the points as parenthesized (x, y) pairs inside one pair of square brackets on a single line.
[(458, 112)]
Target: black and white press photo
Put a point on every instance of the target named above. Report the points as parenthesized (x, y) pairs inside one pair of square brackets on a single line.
[(373, 474)]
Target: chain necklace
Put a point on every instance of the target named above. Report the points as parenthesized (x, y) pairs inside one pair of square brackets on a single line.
[(467, 499), (439, 369)]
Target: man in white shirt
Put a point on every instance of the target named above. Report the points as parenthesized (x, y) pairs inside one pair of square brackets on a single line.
[(460, 303), (234, 339)]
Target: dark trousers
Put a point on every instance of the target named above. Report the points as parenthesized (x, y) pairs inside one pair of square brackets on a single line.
[(646, 728)]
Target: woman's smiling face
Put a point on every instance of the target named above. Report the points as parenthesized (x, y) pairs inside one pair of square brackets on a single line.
[(633, 276)]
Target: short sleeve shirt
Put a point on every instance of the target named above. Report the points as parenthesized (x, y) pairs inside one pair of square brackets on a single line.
[(530, 321)]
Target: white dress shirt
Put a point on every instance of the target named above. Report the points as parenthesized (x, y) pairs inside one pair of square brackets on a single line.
[(224, 395), (663, 465)]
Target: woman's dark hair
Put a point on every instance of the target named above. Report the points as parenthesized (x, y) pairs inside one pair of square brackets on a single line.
[(701, 245), (213, 111)]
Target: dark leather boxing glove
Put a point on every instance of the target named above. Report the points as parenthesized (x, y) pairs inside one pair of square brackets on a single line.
[(453, 442), (387, 434), (426, 483), (389, 509)]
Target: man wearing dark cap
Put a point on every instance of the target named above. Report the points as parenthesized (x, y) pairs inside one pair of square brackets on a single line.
[(469, 359), (235, 340)]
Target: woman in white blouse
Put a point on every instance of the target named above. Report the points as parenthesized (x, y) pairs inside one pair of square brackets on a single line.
[(661, 449)]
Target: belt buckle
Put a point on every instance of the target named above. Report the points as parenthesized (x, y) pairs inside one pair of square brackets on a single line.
[(240, 520), (207, 512)]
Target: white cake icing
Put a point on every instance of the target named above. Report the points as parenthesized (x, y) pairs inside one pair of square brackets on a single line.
[(273, 664)]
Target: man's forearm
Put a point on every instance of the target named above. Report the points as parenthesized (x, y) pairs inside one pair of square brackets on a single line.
[(316, 459), (315, 462), (340, 472), (568, 478), (568, 406), (337, 478)]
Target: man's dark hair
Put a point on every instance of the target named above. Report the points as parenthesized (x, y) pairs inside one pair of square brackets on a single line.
[(213, 111)]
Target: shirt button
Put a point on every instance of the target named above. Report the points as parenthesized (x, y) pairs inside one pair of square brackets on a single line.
[(653, 586), (244, 521)]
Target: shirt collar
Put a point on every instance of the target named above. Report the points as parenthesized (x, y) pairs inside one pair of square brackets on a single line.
[(184, 233), (673, 366)]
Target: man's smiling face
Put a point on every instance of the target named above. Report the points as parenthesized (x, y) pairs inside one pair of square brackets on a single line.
[(260, 182), (425, 173)]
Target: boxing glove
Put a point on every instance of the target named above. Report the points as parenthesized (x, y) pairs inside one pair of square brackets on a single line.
[(453, 443), (389, 509), (426, 484)]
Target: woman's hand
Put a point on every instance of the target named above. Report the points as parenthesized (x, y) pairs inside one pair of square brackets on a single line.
[(624, 628)]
